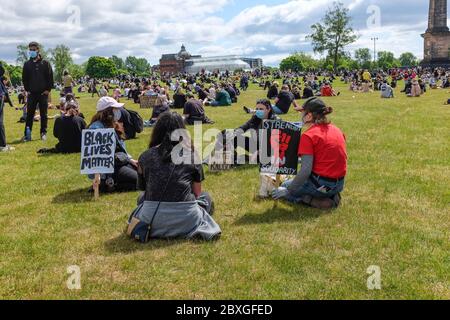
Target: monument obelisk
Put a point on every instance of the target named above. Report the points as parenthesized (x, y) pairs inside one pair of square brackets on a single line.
[(437, 36)]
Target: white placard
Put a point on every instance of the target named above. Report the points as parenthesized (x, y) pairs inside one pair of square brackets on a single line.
[(97, 151)]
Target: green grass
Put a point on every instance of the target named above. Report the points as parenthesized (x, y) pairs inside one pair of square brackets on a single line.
[(395, 214)]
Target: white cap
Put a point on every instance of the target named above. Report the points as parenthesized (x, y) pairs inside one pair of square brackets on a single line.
[(108, 102)]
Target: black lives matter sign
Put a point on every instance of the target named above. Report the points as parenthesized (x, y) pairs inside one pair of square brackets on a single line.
[(97, 151), (281, 141)]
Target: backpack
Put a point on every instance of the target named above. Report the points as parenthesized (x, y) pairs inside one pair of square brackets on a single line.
[(136, 121)]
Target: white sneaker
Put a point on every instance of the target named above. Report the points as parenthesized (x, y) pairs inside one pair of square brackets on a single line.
[(43, 137), (7, 149)]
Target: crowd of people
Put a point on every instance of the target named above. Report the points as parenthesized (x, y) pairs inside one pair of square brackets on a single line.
[(172, 200)]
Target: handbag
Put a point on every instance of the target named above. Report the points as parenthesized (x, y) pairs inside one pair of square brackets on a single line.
[(139, 230)]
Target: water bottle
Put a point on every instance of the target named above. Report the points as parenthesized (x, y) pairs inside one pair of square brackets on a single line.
[(28, 133)]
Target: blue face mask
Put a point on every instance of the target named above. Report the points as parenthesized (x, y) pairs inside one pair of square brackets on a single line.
[(33, 54), (261, 114)]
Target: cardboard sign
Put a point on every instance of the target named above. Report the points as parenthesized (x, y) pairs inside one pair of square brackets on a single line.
[(97, 151), (282, 140)]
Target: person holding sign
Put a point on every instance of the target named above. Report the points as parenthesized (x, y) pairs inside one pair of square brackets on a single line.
[(124, 177), (173, 205), (324, 161)]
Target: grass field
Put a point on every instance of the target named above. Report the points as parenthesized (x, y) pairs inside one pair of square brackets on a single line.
[(395, 215)]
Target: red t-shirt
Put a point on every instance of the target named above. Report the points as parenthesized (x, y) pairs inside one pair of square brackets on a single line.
[(327, 144), (326, 91)]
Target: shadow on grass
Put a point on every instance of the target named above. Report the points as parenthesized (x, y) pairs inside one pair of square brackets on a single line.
[(277, 214), (123, 244), (74, 196)]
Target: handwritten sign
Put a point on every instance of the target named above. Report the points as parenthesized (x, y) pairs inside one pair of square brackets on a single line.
[(283, 140), (97, 151)]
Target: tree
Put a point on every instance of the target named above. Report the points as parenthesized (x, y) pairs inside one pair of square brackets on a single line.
[(334, 33), (22, 53), (77, 71), (299, 61), (363, 58), (408, 59), (386, 60), (99, 67), (118, 62), (13, 73), (61, 59), (137, 66)]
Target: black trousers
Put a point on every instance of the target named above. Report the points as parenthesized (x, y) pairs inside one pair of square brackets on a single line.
[(126, 178), (34, 100), (2, 126)]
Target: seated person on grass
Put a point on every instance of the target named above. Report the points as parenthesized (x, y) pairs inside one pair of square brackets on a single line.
[(173, 204), (68, 130), (263, 112), (324, 161), (179, 99), (223, 99), (386, 90), (328, 91), (124, 177), (282, 103), (194, 111)]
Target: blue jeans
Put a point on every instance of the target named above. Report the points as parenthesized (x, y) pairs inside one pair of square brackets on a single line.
[(277, 110), (310, 189)]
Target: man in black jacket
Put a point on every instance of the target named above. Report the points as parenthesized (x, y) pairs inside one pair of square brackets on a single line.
[(37, 78)]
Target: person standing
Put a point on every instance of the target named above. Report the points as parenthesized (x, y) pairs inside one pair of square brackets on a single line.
[(37, 78), (4, 97), (68, 82)]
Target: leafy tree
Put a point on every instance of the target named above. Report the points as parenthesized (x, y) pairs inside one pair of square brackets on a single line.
[(13, 73), (363, 58), (386, 60), (408, 59), (334, 33), (77, 71), (22, 53), (118, 62), (99, 67), (298, 62), (61, 59), (137, 66)]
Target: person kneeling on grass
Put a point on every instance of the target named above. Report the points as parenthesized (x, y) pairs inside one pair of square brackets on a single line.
[(324, 161), (124, 177), (173, 204)]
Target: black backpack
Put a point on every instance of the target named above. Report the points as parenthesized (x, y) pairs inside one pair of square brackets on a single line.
[(136, 121)]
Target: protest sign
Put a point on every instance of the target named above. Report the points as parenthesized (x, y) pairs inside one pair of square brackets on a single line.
[(97, 154), (282, 140)]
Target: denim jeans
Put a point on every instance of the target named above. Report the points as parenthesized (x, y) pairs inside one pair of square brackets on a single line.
[(277, 110), (310, 189)]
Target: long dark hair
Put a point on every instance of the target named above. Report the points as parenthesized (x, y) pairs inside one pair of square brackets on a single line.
[(167, 123), (107, 118)]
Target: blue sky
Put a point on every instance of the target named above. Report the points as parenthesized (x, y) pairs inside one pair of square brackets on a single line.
[(270, 29)]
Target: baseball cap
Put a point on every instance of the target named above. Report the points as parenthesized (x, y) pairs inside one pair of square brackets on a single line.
[(108, 102), (314, 105)]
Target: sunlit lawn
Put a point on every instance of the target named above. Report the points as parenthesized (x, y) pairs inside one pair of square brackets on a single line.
[(394, 214)]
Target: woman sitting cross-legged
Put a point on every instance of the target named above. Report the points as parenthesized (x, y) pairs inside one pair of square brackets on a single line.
[(173, 203), (124, 177), (324, 161)]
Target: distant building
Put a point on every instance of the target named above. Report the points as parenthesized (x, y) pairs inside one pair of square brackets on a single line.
[(183, 61)]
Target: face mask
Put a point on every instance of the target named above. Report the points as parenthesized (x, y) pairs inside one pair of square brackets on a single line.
[(33, 54), (261, 114), (117, 114)]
